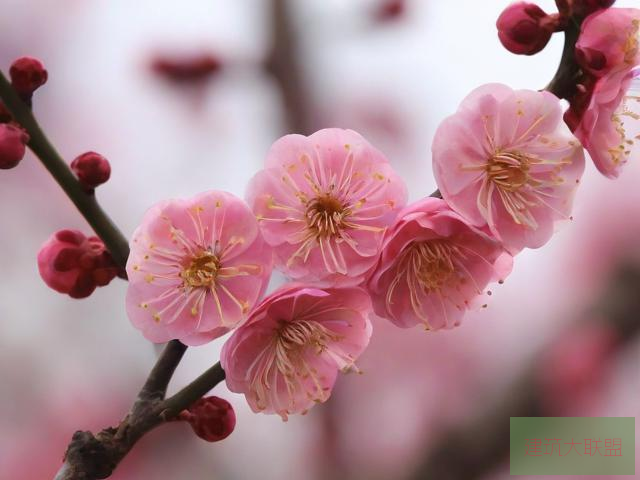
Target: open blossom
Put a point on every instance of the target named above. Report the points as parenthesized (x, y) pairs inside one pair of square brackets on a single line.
[(434, 267), (196, 268), (507, 161), (609, 41), (606, 117), (286, 357), (323, 203), (610, 126)]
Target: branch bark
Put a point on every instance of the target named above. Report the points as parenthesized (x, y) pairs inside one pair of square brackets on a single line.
[(284, 64), (90, 456), (86, 203)]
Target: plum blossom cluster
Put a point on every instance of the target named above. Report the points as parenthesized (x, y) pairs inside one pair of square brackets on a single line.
[(330, 213), (604, 111)]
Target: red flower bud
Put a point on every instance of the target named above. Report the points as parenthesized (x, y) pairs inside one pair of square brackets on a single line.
[(92, 169), (582, 8), (194, 69), (524, 28), (27, 75), (73, 264), (12, 145), (212, 418), (390, 10)]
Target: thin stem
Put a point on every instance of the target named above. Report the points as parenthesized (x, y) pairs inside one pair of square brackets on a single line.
[(92, 456), (86, 203), (172, 406), (564, 82), (284, 65), (160, 376)]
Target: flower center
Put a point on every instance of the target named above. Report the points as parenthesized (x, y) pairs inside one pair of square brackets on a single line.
[(631, 45), (293, 337), (626, 121), (432, 263), (509, 171), (201, 271), (325, 215)]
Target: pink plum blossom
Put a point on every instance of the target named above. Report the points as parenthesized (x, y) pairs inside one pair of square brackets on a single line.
[(606, 116), (609, 41), (196, 268), (434, 267), (323, 203), (610, 126), (286, 357), (506, 160)]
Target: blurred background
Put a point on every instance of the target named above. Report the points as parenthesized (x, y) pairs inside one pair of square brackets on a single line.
[(188, 96)]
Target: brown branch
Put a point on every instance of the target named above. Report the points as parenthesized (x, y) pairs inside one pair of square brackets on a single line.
[(565, 81), (90, 456), (86, 203), (284, 64)]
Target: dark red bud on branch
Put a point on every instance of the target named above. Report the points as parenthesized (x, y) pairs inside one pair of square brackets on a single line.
[(582, 8), (390, 10), (92, 169), (212, 418), (73, 264), (525, 29), (27, 75), (187, 69), (13, 141)]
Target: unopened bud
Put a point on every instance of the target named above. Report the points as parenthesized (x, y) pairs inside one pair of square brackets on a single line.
[(92, 169), (582, 8), (187, 69), (525, 29), (212, 418), (13, 142), (73, 264), (390, 10), (27, 75)]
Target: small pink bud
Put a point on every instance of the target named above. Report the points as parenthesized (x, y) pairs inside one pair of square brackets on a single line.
[(524, 28), (212, 418), (27, 75), (186, 69), (390, 10), (92, 169), (12, 145), (73, 264), (582, 8)]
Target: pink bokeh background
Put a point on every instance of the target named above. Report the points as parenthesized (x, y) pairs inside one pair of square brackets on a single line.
[(67, 364)]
